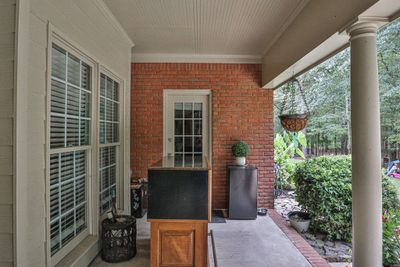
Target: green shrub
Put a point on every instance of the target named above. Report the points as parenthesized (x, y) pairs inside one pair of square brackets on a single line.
[(391, 237), (323, 188), (240, 149)]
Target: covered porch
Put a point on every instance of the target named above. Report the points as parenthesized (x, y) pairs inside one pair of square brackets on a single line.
[(97, 91)]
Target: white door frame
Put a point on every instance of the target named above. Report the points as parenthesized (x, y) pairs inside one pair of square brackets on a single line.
[(187, 92)]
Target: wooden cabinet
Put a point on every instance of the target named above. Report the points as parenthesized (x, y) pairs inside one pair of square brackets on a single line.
[(179, 212), (178, 243)]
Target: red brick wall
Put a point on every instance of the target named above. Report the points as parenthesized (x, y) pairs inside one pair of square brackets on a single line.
[(240, 110)]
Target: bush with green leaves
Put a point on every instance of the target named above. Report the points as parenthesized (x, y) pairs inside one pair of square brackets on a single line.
[(240, 149), (391, 237), (323, 188), (286, 146)]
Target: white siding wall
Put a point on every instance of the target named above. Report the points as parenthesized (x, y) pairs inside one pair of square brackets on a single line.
[(7, 43), (85, 24)]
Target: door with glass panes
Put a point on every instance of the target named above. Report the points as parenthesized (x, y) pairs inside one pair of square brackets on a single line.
[(187, 128)]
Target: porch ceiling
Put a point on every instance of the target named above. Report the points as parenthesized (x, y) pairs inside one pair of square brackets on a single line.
[(242, 29)]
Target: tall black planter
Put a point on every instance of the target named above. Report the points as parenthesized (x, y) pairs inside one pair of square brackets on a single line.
[(242, 192)]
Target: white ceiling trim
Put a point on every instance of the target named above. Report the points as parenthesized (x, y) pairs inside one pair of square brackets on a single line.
[(111, 18), (195, 58)]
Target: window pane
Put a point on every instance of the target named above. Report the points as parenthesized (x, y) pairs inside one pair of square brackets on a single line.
[(178, 110), (72, 132), (57, 97), (73, 70), (115, 112), (115, 91), (197, 127), (188, 158), (178, 127), (73, 101), (85, 74), (102, 109), (102, 85), (108, 176), (57, 132), (109, 110), (109, 88), (178, 160), (102, 132), (188, 110), (188, 144), (58, 63), (198, 108), (178, 144), (198, 144), (188, 127), (84, 132), (85, 104)]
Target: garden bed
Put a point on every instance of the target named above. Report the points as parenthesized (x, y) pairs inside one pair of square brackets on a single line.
[(332, 251)]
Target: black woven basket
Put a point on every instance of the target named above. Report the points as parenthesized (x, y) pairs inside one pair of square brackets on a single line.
[(118, 239)]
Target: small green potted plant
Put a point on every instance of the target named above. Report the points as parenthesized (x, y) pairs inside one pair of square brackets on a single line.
[(240, 151)]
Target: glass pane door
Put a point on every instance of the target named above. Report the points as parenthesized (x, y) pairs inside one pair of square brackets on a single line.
[(188, 133), (186, 129)]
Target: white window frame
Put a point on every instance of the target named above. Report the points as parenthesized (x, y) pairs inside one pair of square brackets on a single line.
[(55, 38), (93, 219), (120, 150)]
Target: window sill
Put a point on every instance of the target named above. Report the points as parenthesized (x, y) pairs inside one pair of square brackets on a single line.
[(83, 253)]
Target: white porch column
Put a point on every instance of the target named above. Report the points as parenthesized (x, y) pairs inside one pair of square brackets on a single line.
[(366, 146)]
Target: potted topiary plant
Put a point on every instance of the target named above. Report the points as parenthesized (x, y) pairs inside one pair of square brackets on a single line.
[(240, 150)]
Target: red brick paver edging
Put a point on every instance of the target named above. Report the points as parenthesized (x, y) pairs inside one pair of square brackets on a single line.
[(308, 251)]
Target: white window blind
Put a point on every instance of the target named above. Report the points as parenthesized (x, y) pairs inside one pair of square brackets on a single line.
[(70, 123), (109, 140)]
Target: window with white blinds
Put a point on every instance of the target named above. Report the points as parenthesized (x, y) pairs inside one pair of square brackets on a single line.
[(70, 127), (109, 140)]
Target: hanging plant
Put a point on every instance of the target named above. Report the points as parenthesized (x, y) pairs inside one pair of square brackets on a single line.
[(290, 120)]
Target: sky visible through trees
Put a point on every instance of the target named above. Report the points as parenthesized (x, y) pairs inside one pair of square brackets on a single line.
[(327, 90)]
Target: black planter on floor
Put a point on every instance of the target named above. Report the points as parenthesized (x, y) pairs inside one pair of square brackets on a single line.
[(118, 239)]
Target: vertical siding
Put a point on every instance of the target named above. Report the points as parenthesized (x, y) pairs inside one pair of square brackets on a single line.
[(7, 43)]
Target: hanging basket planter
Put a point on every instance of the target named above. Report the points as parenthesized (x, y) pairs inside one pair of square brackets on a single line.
[(294, 122)]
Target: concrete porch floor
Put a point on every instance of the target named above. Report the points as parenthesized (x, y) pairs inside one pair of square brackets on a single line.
[(252, 243)]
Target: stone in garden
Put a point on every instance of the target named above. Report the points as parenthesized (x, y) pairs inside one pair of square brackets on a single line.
[(329, 244)]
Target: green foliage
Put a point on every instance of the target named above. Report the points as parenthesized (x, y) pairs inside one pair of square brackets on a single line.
[(240, 149), (391, 237), (286, 146), (323, 188), (327, 90)]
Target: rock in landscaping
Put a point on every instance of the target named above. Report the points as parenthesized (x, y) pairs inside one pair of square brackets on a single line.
[(338, 251)]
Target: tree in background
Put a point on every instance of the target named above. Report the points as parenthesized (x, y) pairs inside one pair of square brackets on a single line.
[(327, 90)]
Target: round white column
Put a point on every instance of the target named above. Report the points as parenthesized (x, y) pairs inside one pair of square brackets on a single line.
[(366, 146)]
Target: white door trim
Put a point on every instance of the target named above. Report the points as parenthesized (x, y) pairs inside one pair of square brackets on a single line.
[(187, 92)]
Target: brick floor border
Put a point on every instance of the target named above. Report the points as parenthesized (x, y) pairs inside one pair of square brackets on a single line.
[(308, 251)]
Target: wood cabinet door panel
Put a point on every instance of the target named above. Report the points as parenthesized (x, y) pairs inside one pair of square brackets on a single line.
[(176, 248)]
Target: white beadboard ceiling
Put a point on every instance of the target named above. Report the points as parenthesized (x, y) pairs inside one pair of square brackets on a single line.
[(213, 29)]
